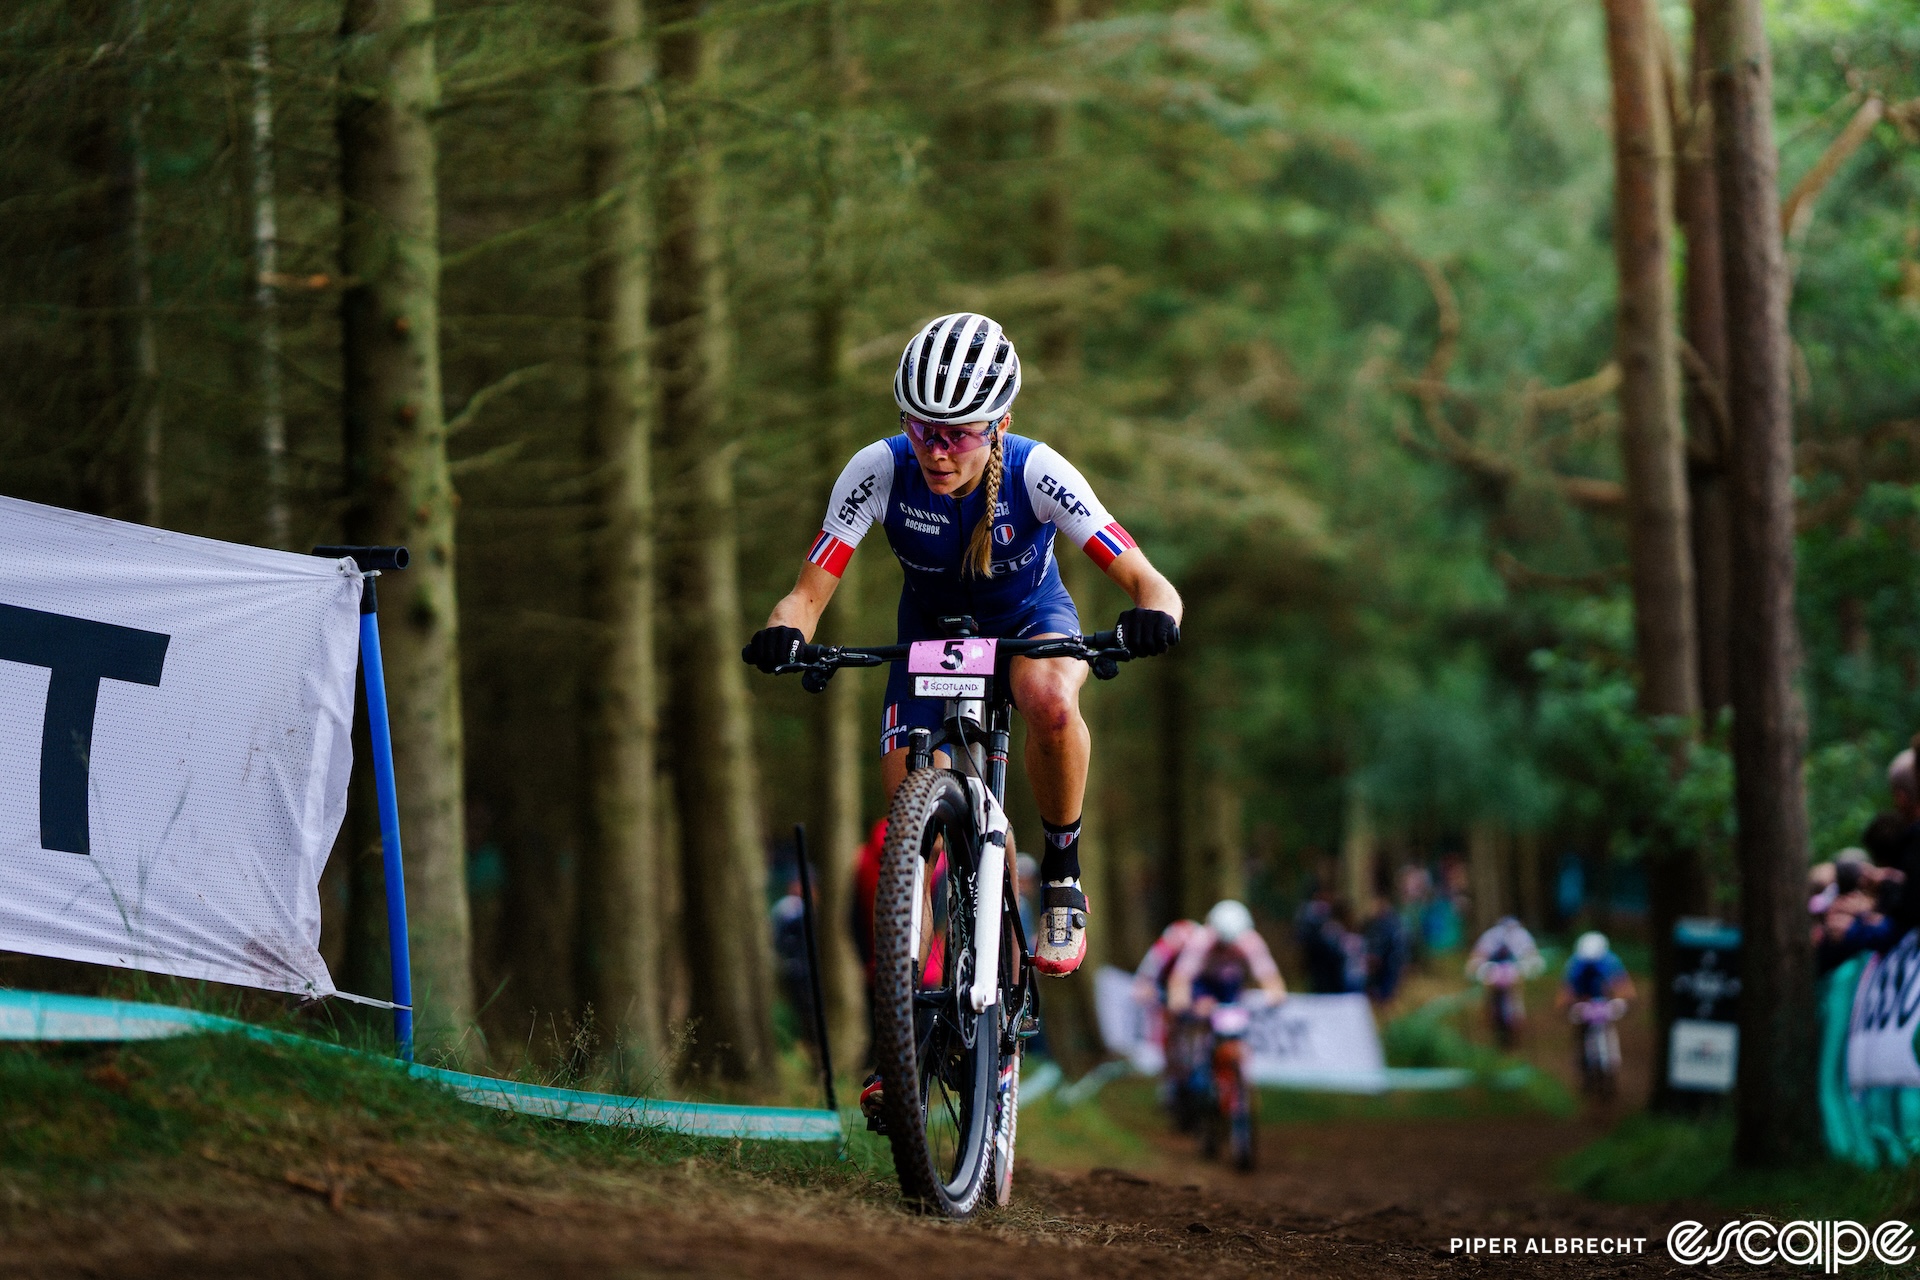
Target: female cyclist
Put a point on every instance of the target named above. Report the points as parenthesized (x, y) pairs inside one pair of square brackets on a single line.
[(970, 512)]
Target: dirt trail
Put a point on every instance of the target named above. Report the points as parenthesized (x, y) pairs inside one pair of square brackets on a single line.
[(1360, 1199)]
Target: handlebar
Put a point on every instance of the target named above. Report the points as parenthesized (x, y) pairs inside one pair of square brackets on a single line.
[(816, 663)]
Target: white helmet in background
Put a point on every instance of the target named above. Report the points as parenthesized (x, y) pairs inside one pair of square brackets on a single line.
[(1591, 945), (1229, 919), (960, 368)]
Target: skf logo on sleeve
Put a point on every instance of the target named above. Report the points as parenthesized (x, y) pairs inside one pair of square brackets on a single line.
[(1063, 495), (856, 499)]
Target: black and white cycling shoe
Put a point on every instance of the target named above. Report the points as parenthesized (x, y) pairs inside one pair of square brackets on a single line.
[(1062, 929)]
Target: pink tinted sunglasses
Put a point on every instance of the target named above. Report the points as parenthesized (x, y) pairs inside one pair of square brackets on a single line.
[(946, 436)]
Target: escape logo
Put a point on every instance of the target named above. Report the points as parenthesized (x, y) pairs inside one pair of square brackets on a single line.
[(1827, 1245)]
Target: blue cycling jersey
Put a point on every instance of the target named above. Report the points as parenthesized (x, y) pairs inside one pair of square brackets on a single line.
[(1040, 491), (1593, 979)]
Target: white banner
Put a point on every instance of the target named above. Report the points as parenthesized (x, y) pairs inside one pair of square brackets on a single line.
[(1886, 1016), (1320, 1041), (174, 747)]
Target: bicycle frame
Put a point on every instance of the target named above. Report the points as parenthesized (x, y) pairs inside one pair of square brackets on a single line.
[(975, 732)]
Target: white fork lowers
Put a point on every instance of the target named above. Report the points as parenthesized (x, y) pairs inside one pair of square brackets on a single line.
[(992, 875)]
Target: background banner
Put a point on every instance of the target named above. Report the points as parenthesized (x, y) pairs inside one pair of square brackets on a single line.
[(1307, 1040), (1886, 1016), (175, 716)]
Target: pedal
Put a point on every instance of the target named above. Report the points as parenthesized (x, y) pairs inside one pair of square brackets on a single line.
[(1028, 1027), (877, 1124)]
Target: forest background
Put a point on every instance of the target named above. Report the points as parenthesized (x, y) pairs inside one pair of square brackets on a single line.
[(588, 304)]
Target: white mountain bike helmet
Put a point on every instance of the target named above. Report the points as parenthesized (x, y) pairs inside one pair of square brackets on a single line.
[(1591, 945), (1229, 919), (960, 368)]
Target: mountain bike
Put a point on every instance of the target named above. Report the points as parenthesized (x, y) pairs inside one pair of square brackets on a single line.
[(948, 1036), (1227, 1119), (1599, 1043), (1502, 979)]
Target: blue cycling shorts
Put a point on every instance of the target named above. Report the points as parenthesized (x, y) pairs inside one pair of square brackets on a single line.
[(1049, 612)]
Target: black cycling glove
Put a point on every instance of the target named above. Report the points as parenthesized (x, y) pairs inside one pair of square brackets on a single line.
[(1145, 633), (773, 647)]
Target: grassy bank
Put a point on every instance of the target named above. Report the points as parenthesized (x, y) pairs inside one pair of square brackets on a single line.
[(168, 1117), (1654, 1158)]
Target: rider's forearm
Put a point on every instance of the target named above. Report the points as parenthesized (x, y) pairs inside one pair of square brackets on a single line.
[(801, 607), (1145, 585)]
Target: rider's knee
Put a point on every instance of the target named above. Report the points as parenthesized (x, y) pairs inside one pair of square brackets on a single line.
[(1051, 706)]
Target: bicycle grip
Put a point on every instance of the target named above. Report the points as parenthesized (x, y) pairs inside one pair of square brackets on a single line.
[(1101, 640)]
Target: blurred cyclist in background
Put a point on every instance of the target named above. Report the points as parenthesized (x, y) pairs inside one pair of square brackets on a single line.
[(1218, 958), (1594, 972), (1213, 968), (1504, 958), (1594, 991)]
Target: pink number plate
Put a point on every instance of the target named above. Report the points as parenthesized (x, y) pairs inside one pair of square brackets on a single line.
[(951, 657)]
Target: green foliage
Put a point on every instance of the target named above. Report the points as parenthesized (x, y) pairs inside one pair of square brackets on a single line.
[(1224, 328), (1650, 1158), (96, 1116), (1647, 779)]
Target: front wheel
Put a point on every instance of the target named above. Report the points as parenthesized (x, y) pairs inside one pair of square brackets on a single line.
[(936, 1055)]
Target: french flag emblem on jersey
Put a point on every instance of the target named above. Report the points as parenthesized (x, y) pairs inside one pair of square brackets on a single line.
[(1108, 545), (831, 554)]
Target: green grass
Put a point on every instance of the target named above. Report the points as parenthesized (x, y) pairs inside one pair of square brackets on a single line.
[(1431, 1036), (1654, 1158), (80, 1118)]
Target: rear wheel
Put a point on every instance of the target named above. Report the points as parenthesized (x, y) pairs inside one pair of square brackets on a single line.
[(937, 1056)]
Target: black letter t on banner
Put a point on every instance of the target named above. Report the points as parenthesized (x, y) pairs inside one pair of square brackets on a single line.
[(81, 654)]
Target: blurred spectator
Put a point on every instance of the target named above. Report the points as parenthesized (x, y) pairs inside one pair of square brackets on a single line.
[(1353, 948), (1336, 955), (1440, 925), (1848, 902), (1386, 951), (790, 957), (1896, 843), (1028, 872)]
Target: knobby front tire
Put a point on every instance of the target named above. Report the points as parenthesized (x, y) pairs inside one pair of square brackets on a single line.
[(937, 1056)]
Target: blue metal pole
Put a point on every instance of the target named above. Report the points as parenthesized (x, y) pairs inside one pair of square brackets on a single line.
[(378, 728)]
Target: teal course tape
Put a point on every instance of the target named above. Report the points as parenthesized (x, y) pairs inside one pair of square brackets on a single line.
[(34, 1015)]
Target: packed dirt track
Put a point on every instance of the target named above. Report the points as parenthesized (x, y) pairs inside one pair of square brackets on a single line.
[(1337, 1199)]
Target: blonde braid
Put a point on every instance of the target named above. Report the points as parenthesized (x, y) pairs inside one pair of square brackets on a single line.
[(980, 547)]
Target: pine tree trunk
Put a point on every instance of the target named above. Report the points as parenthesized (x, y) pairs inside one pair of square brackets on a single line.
[(728, 948), (1652, 441), (1777, 1119), (846, 747), (1486, 874), (617, 937), (1359, 851), (1181, 890), (266, 296), (398, 487), (1697, 205), (144, 350), (1060, 337)]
